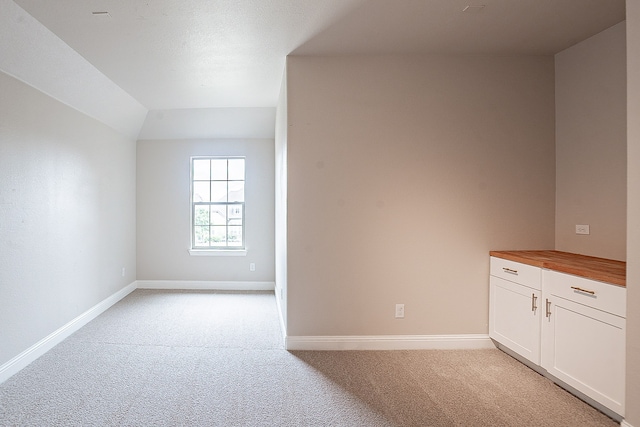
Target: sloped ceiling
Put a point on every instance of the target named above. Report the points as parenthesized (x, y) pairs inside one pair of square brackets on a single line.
[(219, 54), (190, 53), (33, 54)]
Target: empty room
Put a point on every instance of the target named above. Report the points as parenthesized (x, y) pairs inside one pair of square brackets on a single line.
[(336, 212)]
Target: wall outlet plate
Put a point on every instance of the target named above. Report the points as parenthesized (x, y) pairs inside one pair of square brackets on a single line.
[(582, 229), (399, 311)]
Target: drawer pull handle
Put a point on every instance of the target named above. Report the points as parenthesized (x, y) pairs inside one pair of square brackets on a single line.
[(508, 270), (583, 290), (534, 298), (548, 314)]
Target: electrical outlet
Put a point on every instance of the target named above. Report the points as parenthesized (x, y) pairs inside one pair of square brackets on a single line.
[(582, 229), (123, 271), (252, 266), (399, 311)]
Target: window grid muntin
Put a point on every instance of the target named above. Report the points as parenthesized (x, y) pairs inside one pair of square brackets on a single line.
[(229, 218)]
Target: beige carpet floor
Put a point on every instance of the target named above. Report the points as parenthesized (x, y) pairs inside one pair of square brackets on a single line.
[(169, 358)]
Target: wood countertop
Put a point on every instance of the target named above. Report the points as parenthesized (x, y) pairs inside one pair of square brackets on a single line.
[(601, 269)]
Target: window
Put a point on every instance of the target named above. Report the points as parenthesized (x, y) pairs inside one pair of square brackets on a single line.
[(217, 203)]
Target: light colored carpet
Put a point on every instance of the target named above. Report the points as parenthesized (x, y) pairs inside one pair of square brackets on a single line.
[(216, 359)]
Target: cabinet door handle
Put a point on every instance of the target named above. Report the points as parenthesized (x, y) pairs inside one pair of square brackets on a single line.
[(510, 271), (534, 299), (583, 290), (548, 314)]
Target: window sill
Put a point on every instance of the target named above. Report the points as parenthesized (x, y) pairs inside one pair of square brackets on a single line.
[(218, 252)]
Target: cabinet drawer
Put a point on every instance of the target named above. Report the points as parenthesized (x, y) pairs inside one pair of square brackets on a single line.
[(599, 295), (523, 274)]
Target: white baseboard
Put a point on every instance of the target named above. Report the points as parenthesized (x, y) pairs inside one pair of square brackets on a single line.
[(196, 285), (389, 342), (23, 359)]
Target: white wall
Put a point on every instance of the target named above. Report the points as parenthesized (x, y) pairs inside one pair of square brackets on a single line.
[(591, 145), (633, 213), (403, 172), (281, 199), (67, 212), (209, 123), (163, 211)]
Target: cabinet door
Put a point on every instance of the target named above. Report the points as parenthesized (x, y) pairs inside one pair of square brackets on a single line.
[(585, 348), (514, 317)]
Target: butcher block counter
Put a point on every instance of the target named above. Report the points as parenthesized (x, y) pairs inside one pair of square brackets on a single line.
[(600, 269)]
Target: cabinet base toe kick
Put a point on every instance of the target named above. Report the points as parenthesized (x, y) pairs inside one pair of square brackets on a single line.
[(539, 369)]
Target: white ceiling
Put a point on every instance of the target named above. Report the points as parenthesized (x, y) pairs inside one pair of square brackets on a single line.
[(191, 54)]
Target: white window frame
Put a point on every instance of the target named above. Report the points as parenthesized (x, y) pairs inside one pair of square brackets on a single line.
[(215, 250)]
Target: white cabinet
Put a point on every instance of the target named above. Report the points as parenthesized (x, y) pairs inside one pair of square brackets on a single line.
[(570, 326), (583, 336), (515, 298)]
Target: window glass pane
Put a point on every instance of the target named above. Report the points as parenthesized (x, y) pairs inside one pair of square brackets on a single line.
[(218, 215), (235, 215), (201, 191), (236, 221), (201, 235), (236, 191), (201, 216), (236, 169), (218, 236), (201, 170), (219, 169), (235, 236), (218, 191)]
